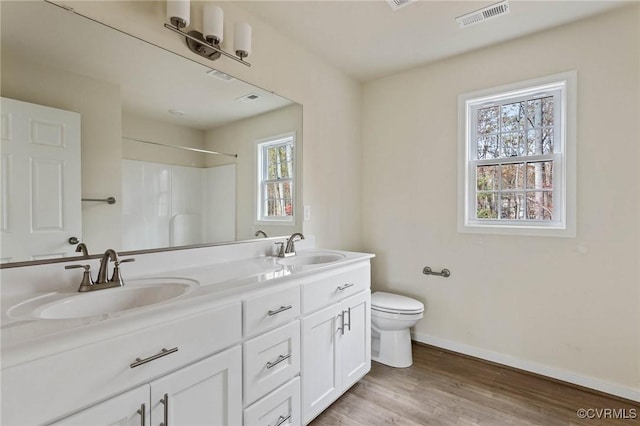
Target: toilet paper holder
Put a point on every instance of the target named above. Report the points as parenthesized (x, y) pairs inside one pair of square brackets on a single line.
[(428, 271)]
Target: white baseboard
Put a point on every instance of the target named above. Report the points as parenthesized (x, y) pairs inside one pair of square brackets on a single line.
[(521, 364)]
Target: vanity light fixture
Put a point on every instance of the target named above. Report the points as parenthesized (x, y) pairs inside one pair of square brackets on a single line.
[(207, 43)]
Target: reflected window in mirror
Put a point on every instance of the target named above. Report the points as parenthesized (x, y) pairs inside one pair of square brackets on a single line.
[(276, 178)]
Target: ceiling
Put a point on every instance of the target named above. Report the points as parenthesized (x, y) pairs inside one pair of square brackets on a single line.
[(368, 40)]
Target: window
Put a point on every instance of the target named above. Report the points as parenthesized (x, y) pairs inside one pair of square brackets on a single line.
[(517, 158), (276, 173)]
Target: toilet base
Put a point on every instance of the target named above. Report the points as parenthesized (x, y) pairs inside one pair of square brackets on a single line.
[(391, 347)]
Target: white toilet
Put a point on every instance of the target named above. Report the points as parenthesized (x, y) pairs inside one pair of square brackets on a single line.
[(392, 316)]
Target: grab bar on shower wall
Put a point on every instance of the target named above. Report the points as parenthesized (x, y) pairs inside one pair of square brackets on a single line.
[(109, 200), (444, 273)]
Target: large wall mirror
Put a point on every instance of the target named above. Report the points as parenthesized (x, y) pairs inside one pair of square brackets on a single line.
[(90, 113)]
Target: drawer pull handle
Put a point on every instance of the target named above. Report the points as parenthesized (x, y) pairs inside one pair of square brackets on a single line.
[(278, 361), (344, 287), (280, 309), (282, 419), (165, 401), (164, 352), (143, 415)]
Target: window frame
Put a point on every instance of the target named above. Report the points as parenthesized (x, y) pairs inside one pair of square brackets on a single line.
[(563, 87), (261, 182)]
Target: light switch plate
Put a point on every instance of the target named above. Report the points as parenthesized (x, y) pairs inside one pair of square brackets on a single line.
[(307, 212)]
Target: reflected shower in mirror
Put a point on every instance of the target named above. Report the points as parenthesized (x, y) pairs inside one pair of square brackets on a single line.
[(135, 103)]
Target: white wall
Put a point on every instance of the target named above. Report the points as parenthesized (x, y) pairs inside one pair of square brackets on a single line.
[(331, 100), (568, 307)]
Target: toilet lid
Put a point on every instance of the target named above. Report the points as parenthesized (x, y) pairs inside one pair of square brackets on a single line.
[(388, 302)]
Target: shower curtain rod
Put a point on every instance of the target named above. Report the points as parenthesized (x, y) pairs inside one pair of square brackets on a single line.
[(187, 148)]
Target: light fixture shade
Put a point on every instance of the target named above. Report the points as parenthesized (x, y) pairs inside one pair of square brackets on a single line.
[(242, 39), (213, 23), (178, 12)]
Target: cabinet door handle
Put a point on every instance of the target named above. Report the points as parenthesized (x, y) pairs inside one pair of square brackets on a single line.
[(164, 352), (165, 401), (344, 287), (281, 420), (348, 311), (278, 361), (280, 309), (143, 415), (341, 328)]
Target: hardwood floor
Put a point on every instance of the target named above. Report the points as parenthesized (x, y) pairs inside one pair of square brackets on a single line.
[(444, 388)]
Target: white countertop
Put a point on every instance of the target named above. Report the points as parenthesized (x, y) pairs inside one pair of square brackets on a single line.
[(25, 338)]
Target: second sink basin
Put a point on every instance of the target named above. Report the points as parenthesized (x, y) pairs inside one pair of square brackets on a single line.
[(311, 258), (137, 294)]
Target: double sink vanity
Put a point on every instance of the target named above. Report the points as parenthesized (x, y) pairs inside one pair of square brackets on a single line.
[(221, 335)]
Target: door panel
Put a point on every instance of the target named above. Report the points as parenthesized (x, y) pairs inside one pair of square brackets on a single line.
[(356, 341), (41, 199), (321, 361), (208, 392)]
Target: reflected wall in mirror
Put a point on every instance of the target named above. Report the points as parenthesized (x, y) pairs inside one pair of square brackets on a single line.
[(126, 91)]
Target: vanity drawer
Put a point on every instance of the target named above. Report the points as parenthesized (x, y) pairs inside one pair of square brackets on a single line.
[(270, 360), (269, 310), (331, 288), (280, 407), (105, 367)]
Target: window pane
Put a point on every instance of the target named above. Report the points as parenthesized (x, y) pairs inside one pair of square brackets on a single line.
[(512, 176), (288, 207), (540, 141), (513, 144), (513, 117), (487, 205), (488, 120), (547, 111), (512, 206), (534, 113), (540, 205), (487, 178), (488, 147), (540, 175)]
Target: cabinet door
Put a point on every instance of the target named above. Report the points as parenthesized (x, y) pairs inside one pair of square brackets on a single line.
[(356, 341), (127, 409), (208, 392), (321, 360)]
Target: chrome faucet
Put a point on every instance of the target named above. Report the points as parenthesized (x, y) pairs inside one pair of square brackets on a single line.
[(260, 232), (116, 280), (110, 254), (290, 249)]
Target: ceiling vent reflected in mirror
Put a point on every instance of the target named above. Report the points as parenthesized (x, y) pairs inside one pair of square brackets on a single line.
[(397, 4), (220, 75), (248, 98)]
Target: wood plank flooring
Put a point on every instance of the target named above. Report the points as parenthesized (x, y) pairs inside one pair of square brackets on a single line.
[(444, 388)]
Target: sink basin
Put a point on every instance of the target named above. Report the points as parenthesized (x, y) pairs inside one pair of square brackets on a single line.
[(136, 294), (311, 259)]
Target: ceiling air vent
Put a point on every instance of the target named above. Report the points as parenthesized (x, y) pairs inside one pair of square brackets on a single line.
[(248, 98), (222, 76), (397, 4), (483, 14)]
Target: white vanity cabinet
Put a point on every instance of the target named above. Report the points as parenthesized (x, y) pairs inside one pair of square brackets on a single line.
[(46, 389), (205, 393), (336, 340)]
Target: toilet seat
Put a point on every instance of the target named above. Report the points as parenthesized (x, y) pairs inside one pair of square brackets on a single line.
[(395, 304)]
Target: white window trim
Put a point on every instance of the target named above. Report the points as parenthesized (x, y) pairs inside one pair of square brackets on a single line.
[(281, 221), (566, 225)]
